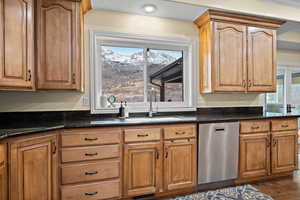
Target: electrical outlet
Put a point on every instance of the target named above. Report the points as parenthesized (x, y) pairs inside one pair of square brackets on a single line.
[(85, 101)]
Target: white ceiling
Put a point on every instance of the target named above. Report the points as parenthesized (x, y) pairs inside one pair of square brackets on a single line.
[(179, 11), (287, 2), (166, 9)]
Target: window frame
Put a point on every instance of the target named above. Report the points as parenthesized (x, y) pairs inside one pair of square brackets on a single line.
[(188, 47)]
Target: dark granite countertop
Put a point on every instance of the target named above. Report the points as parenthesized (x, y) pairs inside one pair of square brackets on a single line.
[(44, 125)]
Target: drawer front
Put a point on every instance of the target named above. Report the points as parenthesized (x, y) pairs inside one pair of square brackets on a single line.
[(179, 132), (90, 153), (94, 191), (255, 126), (90, 137), (139, 135), (90, 171), (284, 124)]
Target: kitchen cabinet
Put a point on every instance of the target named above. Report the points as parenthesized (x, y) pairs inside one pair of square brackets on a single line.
[(34, 168), (3, 172), (91, 163), (142, 168), (237, 52), (254, 155), (230, 36), (16, 44), (268, 148), (59, 43), (180, 164), (261, 60)]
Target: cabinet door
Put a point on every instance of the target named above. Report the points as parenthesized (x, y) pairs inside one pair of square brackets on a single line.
[(261, 60), (16, 44), (284, 151), (254, 155), (33, 169), (142, 168), (229, 67), (59, 43), (180, 164), (3, 173)]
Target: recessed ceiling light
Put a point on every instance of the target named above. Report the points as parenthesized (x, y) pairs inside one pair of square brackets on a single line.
[(149, 8)]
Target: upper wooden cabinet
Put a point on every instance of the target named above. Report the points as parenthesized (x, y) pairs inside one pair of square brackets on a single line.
[(237, 53), (34, 168), (17, 44), (58, 44)]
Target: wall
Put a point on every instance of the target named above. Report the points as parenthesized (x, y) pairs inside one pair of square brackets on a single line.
[(256, 7), (288, 57), (126, 23)]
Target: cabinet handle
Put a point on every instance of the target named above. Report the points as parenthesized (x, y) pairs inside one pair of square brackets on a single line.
[(90, 139), (244, 83), (249, 83), (167, 154), (91, 173), (180, 133), (29, 75), (268, 142), (255, 127), (54, 147), (157, 154), (285, 126), (2, 163), (274, 143), (91, 154), (143, 135), (90, 193), (73, 78)]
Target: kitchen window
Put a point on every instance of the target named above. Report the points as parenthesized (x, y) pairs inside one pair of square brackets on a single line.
[(287, 93), (129, 67)]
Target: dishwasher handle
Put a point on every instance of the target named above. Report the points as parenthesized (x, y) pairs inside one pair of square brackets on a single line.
[(219, 130)]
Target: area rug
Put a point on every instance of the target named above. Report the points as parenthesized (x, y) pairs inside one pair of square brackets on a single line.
[(245, 192)]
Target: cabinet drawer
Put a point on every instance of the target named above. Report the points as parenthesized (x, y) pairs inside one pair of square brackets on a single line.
[(90, 153), (93, 191), (85, 137), (179, 132), (90, 171), (284, 124), (138, 135), (255, 126)]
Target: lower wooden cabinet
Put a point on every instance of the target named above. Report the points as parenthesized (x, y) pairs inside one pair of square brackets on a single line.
[(254, 155), (271, 153), (33, 169), (284, 151), (142, 168), (180, 164), (3, 172)]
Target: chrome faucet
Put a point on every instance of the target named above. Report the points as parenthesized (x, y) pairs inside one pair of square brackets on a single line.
[(151, 94)]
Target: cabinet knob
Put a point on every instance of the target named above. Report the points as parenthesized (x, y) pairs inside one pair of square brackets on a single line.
[(180, 133)]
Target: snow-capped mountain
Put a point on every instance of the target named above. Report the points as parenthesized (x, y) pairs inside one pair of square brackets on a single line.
[(109, 56)]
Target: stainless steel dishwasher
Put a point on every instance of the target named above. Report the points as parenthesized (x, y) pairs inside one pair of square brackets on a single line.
[(218, 152)]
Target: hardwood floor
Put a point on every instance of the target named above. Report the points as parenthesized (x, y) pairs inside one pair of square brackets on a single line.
[(287, 188)]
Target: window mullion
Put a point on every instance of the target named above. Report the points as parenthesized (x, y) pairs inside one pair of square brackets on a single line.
[(145, 75)]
